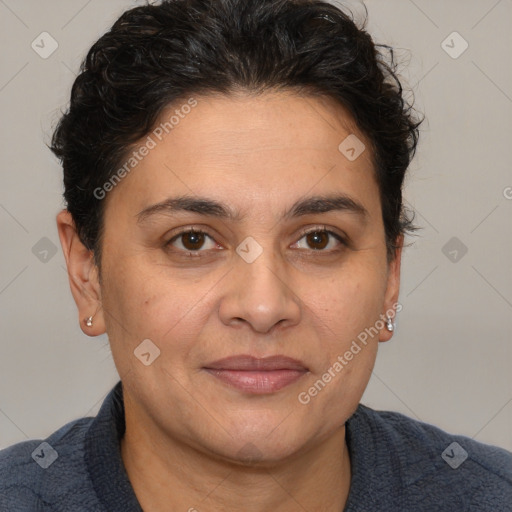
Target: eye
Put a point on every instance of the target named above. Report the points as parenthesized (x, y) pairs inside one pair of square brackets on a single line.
[(320, 239), (192, 240)]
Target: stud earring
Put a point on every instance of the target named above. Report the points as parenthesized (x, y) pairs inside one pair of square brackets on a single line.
[(88, 321), (390, 326)]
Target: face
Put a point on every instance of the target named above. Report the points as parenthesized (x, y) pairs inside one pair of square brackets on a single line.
[(278, 250)]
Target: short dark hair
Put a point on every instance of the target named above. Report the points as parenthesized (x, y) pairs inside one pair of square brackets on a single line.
[(156, 54)]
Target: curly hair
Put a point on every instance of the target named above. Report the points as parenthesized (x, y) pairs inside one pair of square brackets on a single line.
[(156, 54)]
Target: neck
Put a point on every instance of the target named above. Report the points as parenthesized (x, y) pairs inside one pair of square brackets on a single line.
[(168, 475)]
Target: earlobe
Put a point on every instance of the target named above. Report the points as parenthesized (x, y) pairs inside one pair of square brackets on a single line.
[(391, 304), (83, 276)]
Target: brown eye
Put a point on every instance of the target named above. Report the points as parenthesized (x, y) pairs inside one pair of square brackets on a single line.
[(192, 240), (320, 240), (317, 239)]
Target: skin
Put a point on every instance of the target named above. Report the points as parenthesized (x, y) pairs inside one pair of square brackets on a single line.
[(192, 442)]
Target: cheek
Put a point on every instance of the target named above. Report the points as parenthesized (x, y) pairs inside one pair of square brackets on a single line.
[(349, 302), (147, 303), (343, 392), (346, 352)]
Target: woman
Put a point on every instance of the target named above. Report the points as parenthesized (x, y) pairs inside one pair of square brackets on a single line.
[(234, 223)]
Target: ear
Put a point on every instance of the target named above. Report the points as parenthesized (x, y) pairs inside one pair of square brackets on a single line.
[(391, 305), (83, 276)]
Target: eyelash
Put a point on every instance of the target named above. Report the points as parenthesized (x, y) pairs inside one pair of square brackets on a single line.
[(316, 229)]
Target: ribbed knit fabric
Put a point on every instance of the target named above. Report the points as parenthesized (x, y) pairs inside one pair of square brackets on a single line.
[(397, 465)]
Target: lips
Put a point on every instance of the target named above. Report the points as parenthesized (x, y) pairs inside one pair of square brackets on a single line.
[(257, 375), (251, 363)]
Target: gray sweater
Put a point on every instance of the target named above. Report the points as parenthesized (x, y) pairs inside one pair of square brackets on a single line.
[(398, 464)]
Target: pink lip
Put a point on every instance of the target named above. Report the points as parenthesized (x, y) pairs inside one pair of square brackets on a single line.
[(257, 376)]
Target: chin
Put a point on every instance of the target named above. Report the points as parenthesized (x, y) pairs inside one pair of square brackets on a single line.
[(257, 455), (264, 447)]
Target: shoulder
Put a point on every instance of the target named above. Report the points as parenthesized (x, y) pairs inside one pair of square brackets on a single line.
[(35, 473), (429, 460), (453, 449)]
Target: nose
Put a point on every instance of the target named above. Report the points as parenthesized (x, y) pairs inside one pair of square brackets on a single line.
[(260, 294)]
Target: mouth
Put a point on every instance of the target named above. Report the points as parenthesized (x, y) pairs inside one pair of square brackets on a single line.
[(257, 375)]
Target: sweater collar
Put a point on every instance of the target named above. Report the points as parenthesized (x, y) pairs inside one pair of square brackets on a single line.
[(103, 456)]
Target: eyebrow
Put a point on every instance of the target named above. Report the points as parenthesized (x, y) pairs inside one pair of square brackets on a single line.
[(212, 208)]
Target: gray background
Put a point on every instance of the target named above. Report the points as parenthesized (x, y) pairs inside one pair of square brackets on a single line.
[(449, 362)]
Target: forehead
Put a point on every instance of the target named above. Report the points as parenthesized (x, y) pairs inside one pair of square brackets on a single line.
[(238, 124), (250, 149)]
